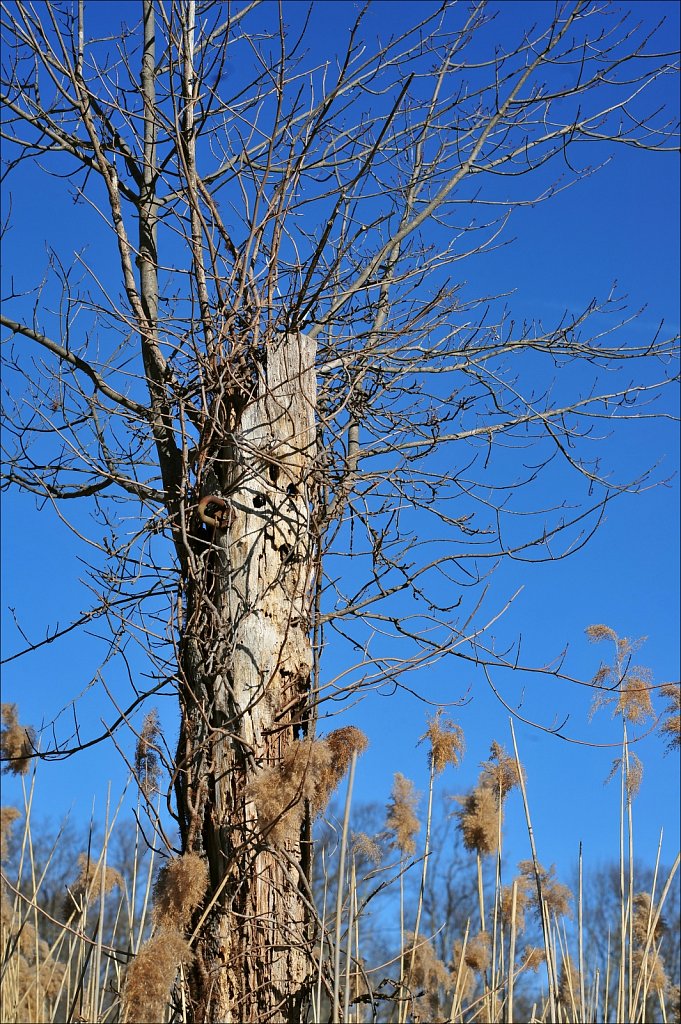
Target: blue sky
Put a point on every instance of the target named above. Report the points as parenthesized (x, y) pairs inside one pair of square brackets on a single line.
[(619, 225)]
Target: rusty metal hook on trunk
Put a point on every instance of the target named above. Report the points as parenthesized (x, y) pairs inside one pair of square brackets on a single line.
[(222, 517)]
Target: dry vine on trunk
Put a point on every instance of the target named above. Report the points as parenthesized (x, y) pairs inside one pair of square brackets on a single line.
[(262, 368)]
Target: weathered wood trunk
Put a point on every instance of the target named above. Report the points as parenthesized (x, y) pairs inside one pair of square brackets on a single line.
[(246, 660)]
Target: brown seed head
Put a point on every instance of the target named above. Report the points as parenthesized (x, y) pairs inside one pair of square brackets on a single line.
[(180, 888), (8, 815), (477, 955), (625, 646), (533, 957), (500, 773), (17, 742), (428, 974), (600, 632), (556, 895), (446, 742), (569, 986), (147, 764), (150, 977), (634, 774), (674, 1003), (367, 848), (642, 919), (279, 792), (633, 702), (670, 729), (341, 744), (603, 676), (460, 970), (478, 820), (401, 818), (522, 898), (89, 884), (652, 967), (310, 770)]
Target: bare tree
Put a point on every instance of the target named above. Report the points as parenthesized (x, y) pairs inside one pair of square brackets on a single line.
[(319, 438)]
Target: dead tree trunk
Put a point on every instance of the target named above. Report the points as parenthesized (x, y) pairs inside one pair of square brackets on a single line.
[(246, 664)]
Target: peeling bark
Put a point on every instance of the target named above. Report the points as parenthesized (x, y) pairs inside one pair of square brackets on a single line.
[(247, 661)]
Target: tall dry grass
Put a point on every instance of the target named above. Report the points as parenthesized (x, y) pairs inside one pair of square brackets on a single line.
[(119, 947)]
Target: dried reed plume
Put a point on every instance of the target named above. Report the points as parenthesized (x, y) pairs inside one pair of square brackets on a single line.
[(634, 774), (468, 962), (151, 975), (478, 820), (652, 967), (279, 792), (522, 898), (342, 744), (501, 772), (533, 957), (31, 972), (556, 896), (367, 847), (631, 696), (642, 919), (310, 770), (8, 815), (599, 632), (17, 742), (670, 729), (633, 701), (447, 742), (401, 818), (179, 889), (569, 986), (428, 976), (477, 955), (89, 883), (147, 765), (627, 687)]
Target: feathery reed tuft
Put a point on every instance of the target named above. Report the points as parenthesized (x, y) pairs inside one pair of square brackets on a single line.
[(180, 888), (150, 977), (477, 955), (147, 766), (341, 745), (634, 773), (8, 815), (533, 957), (279, 792), (401, 818), (642, 919), (556, 896), (468, 962), (569, 986), (633, 701), (500, 772), (600, 632), (89, 883), (365, 846), (670, 729), (478, 820), (447, 742), (310, 770), (652, 967), (17, 742), (522, 898), (428, 976)]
